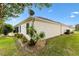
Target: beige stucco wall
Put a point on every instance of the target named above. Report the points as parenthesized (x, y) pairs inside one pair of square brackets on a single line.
[(64, 28), (50, 29)]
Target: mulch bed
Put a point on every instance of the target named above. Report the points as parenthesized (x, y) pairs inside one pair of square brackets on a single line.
[(32, 49)]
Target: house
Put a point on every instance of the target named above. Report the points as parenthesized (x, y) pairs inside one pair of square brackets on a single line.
[(49, 27), (77, 27)]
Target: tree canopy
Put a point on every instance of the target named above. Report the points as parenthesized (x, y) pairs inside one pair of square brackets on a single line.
[(14, 9)]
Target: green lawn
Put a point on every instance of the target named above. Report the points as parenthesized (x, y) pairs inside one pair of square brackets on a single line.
[(65, 45), (7, 46)]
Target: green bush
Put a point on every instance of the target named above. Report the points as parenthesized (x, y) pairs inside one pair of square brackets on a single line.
[(42, 35), (1, 30), (7, 28), (5, 31), (22, 37), (72, 32), (67, 32)]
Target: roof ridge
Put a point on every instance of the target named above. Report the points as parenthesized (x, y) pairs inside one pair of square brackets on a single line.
[(51, 20), (44, 19)]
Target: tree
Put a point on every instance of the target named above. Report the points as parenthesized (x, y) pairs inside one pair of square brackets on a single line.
[(13, 10), (31, 30), (7, 29)]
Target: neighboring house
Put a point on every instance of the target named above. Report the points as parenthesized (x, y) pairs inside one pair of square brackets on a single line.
[(77, 27), (49, 27)]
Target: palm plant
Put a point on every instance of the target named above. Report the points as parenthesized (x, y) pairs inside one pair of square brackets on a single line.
[(34, 35), (32, 32)]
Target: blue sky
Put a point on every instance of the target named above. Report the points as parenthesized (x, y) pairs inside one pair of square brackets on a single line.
[(66, 13)]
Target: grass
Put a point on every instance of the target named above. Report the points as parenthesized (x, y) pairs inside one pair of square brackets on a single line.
[(65, 45), (7, 46)]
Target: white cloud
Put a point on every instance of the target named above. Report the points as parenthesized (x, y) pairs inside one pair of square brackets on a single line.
[(76, 12), (72, 16), (50, 11)]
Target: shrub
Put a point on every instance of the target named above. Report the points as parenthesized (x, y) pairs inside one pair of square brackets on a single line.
[(42, 35), (1, 30), (32, 42), (34, 35), (5, 31), (67, 31), (72, 32), (22, 37), (7, 28), (18, 35)]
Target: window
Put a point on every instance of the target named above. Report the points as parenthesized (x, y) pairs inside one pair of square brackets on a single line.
[(27, 26)]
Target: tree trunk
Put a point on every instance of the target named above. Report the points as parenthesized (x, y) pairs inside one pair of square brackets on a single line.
[(33, 20)]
